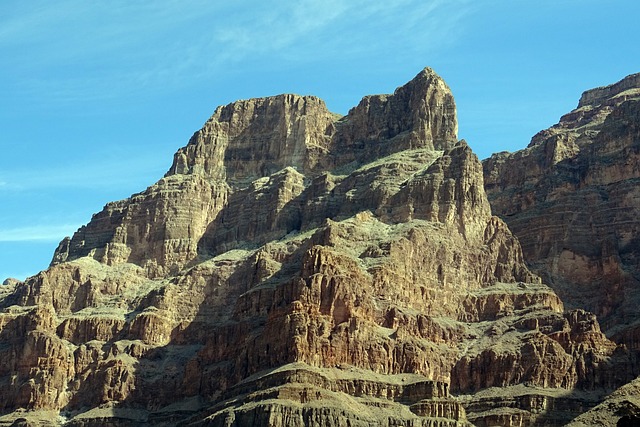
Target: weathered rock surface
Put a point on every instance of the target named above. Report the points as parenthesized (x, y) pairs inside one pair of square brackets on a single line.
[(298, 268), (572, 199), (620, 408), (287, 135)]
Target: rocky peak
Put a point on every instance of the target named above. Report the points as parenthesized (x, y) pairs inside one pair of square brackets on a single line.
[(419, 114), (629, 86), (249, 139), (253, 138)]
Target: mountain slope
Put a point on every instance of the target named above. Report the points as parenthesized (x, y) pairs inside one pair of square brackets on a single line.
[(572, 199), (295, 267)]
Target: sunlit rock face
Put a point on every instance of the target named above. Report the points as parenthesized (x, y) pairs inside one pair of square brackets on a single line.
[(262, 150), (294, 267), (572, 199)]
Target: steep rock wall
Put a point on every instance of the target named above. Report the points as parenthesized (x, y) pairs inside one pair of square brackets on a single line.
[(573, 201), (358, 254)]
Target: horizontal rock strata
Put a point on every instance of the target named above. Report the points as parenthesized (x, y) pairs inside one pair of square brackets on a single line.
[(571, 198), (294, 267)]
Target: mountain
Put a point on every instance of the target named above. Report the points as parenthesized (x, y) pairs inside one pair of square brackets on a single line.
[(295, 267), (573, 200)]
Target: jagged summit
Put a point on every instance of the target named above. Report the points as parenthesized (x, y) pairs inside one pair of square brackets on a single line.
[(419, 114), (302, 133), (162, 228)]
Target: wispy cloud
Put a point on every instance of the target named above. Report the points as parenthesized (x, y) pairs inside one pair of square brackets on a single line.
[(311, 30), (88, 173), (74, 49), (43, 233)]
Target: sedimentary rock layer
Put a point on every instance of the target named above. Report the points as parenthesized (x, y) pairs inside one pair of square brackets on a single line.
[(295, 267), (572, 199)]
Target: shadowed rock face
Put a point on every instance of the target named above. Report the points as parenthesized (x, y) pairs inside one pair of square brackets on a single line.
[(298, 268), (572, 199)]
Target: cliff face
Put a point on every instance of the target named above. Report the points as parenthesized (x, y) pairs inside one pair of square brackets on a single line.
[(298, 268), (572, 199), (287, 138)]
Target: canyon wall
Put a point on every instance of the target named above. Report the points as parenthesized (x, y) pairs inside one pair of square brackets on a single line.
[(572, 199), (294, 267)]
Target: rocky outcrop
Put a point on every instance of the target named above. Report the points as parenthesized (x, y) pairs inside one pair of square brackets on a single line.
[(255, 138), (620, 408), (302, 395), (301, 268), (571, 199), (420, 114), (160, 228)]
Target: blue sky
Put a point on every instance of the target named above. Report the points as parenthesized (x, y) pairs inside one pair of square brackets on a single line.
[(95, 97)]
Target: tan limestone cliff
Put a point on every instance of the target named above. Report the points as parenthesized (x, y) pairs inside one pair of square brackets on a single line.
[(573, 201), (160, 228)]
